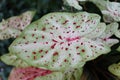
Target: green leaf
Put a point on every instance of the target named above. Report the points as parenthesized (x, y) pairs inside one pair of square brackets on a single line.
[(73, 3), (115, 69), (11, 59), (118, 48)]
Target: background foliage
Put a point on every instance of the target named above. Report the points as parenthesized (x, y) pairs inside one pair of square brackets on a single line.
[(93, 70)]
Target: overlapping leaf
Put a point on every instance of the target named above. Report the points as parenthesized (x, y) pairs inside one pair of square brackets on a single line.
[(110, 10), (12, 27)]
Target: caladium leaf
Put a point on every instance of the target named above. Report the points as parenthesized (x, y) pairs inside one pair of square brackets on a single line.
[(115, 69), (28, 73), (110, 10), (73, 3), (12, 27), (11, 59), (109, 31), (57, 42)]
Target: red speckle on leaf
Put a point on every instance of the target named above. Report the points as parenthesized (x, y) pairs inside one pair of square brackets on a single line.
[(81, 43), (55, 53), (72, 39), (52, 47), (68, 44), (91, 46), (66, 49), (77, 26), (61, 43), (33, 52), (46, 42), (43, 29), (74, 23), (34, 41), (33, 35), (43, 37), (40, 51), (83, 50), (65, 60), (54, 40), (46, 52), (41, 56), (65, 22), (77, 47), (73, 31), (60, 37)]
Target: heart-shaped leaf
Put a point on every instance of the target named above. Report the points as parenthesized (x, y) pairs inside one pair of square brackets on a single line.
[(57, 41)]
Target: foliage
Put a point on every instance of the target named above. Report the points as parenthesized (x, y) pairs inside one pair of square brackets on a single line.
[(93, 70)]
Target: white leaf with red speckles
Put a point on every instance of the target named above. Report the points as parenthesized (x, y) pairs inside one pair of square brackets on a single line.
[(115, 69), (12, 27), (109, 31), (57, 41), (110, 10)]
